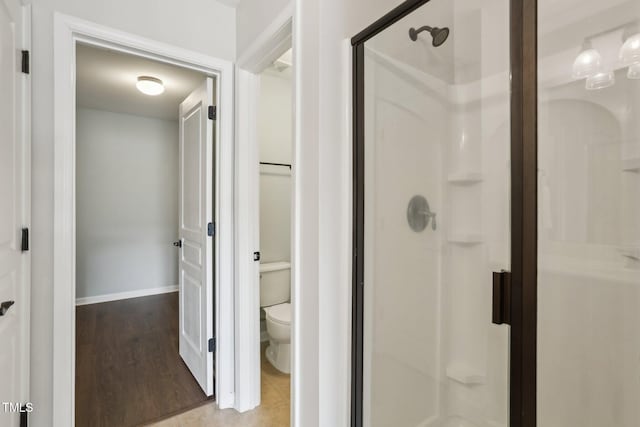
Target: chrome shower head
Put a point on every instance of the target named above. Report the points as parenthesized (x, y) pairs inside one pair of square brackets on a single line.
[(439, 35)]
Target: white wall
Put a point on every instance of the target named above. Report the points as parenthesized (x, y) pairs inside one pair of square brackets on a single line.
[(126, 203), (201, 25), (253, 17), (275, 141), (323, 204)]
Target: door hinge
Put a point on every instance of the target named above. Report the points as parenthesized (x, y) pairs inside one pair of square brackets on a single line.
[(211, 229), (25, 62), (256, 256), (24, 244), (213, 112), (501, 312), (212, 345)]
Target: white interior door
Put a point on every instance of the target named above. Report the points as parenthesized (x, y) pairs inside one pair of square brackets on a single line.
[(196, 254), (14, 197)]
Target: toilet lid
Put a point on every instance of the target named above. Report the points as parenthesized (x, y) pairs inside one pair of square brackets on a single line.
[(280, 313)]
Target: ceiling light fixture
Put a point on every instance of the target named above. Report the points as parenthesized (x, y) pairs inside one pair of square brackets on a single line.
[(150, 85), (588, 63), (601, 80)]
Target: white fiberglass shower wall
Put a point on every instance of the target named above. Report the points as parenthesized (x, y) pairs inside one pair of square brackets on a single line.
[(437, 134)]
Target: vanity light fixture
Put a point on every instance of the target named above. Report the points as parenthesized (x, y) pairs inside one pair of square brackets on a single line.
[(601, 80), (150, 85), (588, 63), (630, 55), (630, 50)]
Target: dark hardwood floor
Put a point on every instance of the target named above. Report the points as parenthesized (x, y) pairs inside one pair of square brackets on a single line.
[(128, 370)]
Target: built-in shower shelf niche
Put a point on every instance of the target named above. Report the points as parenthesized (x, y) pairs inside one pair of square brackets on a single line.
[(631, 165), (465, 238), (464, 178), (465, 375)]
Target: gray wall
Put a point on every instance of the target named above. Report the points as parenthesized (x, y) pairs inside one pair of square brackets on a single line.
[(126, 203)]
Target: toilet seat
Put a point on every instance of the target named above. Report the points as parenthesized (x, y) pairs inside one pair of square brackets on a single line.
[(280, 313)]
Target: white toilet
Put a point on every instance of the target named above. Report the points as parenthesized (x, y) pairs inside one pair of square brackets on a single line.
[(275, 293)]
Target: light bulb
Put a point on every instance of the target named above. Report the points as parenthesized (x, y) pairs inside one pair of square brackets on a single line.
[(587, 64), (630, 50)]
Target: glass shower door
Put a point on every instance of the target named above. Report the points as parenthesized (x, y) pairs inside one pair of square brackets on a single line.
[(589, 213), (434, 181)]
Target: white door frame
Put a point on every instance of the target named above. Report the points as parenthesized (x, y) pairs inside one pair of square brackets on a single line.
[(268, 46), (23, 134), (67, 32)]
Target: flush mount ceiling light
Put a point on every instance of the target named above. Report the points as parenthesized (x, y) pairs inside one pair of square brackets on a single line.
[(588, 63), (150, 85), (634, 71), (630, 50), (601, 80)]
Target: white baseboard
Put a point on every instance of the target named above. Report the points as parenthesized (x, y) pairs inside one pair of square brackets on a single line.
[(126, 295)]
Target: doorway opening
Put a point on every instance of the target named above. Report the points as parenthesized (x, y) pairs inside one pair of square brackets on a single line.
[(265, 192), (275, 142), (71, 32), (145, 138)]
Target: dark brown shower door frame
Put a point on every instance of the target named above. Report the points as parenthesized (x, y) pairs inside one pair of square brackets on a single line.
[(524, 209)]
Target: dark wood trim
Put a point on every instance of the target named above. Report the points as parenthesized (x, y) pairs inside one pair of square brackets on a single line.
[(357, 298), (524, 218), (517, 119)]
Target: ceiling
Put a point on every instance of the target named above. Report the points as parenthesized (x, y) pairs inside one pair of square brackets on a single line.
[(232, 3), (106, 80)]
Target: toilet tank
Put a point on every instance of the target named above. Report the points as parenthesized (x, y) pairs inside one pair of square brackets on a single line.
[(275, 283)]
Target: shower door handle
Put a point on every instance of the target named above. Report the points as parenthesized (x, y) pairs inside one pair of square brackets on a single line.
[(501, 312)]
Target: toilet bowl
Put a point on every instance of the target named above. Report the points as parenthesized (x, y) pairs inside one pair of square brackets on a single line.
[(275, 294), (278, 353)]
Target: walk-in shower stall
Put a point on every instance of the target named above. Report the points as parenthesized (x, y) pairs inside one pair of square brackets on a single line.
[(497, 215)]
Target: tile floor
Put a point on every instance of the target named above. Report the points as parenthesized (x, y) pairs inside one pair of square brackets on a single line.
[(272, 412)]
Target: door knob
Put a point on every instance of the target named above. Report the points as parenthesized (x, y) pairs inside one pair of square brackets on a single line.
[(5, 306), (178, 243)]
